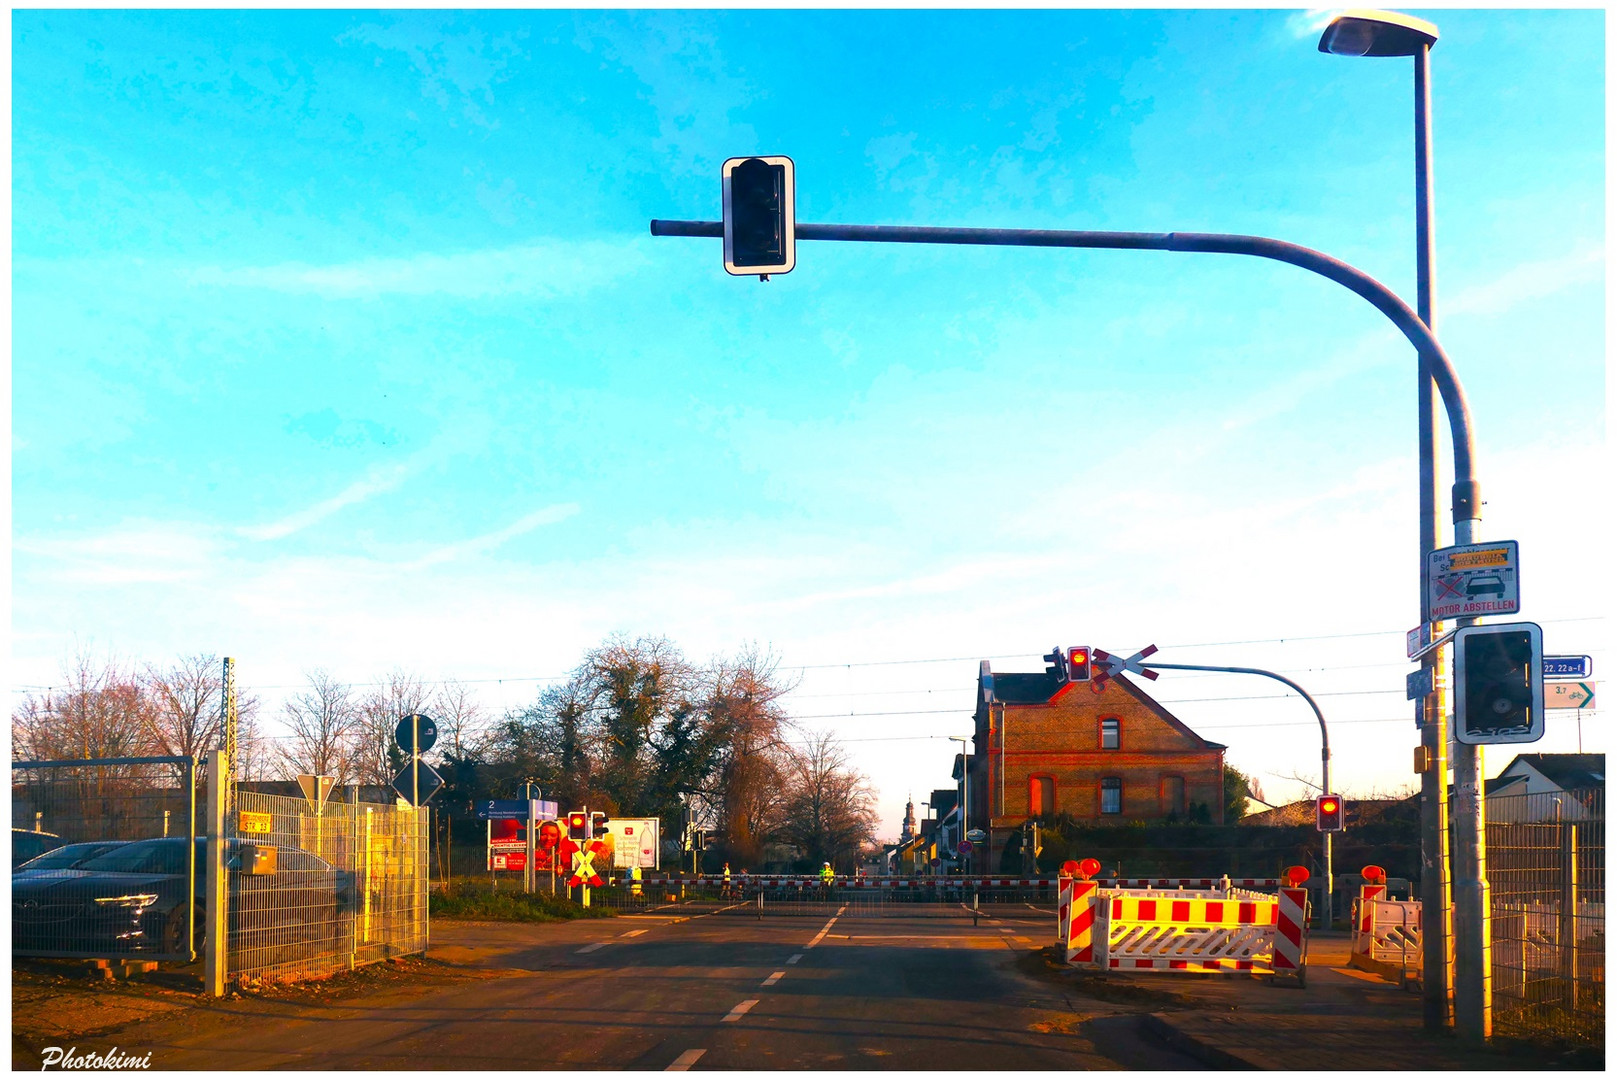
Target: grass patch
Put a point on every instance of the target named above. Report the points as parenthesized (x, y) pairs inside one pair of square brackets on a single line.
[(467, 901)]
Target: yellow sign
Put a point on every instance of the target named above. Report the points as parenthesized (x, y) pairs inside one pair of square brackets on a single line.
[(254, 823), (1471, 560)]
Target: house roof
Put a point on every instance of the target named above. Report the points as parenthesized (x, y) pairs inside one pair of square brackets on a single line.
[(1037, 688), (1565, 771), (1359, 812)]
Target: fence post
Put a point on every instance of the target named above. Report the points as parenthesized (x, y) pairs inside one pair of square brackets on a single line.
[(216, 897), (1567, 928)]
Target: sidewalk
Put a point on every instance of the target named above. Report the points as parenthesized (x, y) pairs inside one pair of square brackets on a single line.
[(1344, 1019)]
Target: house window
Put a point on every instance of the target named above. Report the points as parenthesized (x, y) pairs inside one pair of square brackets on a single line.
[(1173, 796), (1041, 796), (1110, 733), (1111, 795)]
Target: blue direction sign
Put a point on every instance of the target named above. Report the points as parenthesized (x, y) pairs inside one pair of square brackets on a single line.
[(503, 810), (1567, 667)]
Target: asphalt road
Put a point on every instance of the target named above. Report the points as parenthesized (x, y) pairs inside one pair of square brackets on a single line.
[(716, 992)]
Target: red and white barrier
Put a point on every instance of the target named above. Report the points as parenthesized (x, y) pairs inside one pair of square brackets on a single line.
[(843, 881), (1078, 921), (1290, 946)]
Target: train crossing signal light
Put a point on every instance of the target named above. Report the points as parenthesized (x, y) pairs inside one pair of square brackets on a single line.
[(759, 216), (597, 824), (1080, 664), (1330, 813), (1499, 683), (578, 825), (1056, 663)]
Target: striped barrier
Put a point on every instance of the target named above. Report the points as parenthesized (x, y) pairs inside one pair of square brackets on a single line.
[(1290, 944), (846, 882), (1078, 920), (1187, 934)]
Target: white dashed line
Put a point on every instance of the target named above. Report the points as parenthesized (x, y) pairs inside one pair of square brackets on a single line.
[(795, 957), (591, 948), (632, 933), (1006, 930), (739, 1011), (775, 978), (685, 1061)]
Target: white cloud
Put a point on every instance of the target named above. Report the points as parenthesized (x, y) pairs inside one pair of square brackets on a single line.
[(545, 269), (477, 545), (378, 481), (1528, 281)]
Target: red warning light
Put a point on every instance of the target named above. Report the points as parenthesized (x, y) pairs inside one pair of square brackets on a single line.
[(1373, 875), (1295, 875), (1089, 868)]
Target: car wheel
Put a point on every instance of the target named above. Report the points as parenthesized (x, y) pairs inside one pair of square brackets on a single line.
[(174, 931)]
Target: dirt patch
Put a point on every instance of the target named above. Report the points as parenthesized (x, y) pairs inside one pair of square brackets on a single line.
[(1047, 964), (1064, 1024)]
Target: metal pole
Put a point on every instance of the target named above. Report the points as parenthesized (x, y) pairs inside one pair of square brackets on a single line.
[(1437, 938), (215, 892), (1324, 754)]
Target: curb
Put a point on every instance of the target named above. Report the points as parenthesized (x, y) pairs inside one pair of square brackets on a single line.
[(1176, 1038)]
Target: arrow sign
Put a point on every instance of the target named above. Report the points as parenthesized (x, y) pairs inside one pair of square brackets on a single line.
[(1569, 695), (427, 778)]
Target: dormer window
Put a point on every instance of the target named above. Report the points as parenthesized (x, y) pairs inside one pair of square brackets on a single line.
[(1111, 735)]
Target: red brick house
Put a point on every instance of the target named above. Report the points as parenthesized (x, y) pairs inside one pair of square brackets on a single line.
[(1045, 746)]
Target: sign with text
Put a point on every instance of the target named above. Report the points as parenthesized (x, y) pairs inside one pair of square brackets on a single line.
[(1569, 695), (1568, 667), (1473, 580)]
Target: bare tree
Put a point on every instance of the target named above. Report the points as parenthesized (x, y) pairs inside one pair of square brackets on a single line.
[(187, 720), (102, 710), (463, 724), (746, 722), (324, 722), (828, 811), (379, 758)]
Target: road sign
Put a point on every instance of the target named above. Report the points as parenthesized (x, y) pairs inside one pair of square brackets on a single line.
[(316, 788), (1567, 667), (1473, 579), (936, 861), (1106, 666), (258, 824), (426, 783), (1569, 695), (1418, 683), (1419, 641), (976, 836), (546, 810), (503, 810), (965, 847), (416, 733)]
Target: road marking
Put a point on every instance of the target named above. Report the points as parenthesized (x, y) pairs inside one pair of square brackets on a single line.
[(685, 1061), (632, 933), (591, 948), (1024, 940), (795, 958), (775, 978), (817, 937), (740, 1010), (1006, 930)]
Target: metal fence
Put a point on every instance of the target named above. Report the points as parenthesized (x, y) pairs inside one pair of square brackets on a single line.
[(755, 897), (119, 870), (1546, 872), (345, 886)]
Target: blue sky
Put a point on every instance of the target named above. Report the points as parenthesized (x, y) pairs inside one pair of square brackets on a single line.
[(339, 339)]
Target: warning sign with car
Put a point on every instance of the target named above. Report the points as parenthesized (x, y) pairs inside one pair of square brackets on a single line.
[(1473, 580)]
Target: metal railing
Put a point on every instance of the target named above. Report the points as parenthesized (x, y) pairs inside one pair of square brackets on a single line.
[(346, 886), (118, 873), (1546, 872)]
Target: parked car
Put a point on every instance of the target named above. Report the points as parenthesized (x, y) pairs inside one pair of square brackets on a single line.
[(132, 900), (66, 857), (26, 845)]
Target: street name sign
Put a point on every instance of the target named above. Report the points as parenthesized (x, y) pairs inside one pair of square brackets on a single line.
[(503, 810), (1473, 580), (1569, 695), (1567, 667)]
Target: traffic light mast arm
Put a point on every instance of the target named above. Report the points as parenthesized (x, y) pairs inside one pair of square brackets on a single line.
[(1467, 504), (1324, 736)]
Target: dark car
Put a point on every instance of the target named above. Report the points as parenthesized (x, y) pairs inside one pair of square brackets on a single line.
[(66, 857), (132, 900), (27, 845)]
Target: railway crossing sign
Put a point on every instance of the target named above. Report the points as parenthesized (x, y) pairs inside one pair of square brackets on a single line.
[(1105, 666), (1569, 695), (584, 872), (1473, 579)]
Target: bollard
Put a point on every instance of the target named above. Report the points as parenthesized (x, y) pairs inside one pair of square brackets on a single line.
[(760, 904), (974, 905)]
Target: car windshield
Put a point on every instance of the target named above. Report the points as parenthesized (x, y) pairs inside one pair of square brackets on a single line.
[(64, 857), (142, 857)]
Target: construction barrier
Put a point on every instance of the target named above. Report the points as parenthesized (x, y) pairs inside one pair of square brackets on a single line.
[(1290, 953), (852, 882), (1386, 936), (1076, 920)]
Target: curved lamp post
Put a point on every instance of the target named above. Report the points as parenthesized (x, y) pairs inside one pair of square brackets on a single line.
[(1363, 32)]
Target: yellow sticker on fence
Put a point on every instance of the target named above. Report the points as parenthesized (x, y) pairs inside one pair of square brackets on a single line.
[(254, 823)]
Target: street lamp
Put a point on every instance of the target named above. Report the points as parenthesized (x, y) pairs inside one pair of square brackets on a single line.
[(965, 793), (1387, 33)]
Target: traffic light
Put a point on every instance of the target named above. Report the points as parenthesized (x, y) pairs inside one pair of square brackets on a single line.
[(597, 824), (759, 216), (1330, 813), (578, 825), (1499, 683), (1079, 667), (1056, 664)]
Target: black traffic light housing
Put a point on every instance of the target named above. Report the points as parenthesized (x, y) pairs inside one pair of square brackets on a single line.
[(1055, 662), (760, 216), (598, 824), (1330, 813), (1080, 664), (1499, 683)]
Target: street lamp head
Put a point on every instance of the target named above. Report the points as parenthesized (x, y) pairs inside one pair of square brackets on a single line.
[(1365, 32)]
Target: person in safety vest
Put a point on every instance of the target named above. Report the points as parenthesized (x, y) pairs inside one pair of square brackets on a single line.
[(726, 879), (828, 876), (631, 878)]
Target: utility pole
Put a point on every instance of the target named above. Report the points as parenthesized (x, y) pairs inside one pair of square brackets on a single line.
[(227, 725)]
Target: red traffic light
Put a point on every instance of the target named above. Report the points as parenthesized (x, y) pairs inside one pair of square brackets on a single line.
[(576, 821), (1328, 806), (1079, 665), (1328, 813)]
